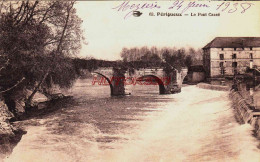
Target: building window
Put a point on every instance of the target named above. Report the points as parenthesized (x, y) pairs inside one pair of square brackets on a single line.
[(235, 49), (221, 56), (251, 48), (251, 55), (234, 56), (222, 49), (221, 64), (234, 64), (243, 48)]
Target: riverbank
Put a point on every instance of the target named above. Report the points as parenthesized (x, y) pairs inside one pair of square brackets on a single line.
[(213, 87), (9, 135), (11, 132)]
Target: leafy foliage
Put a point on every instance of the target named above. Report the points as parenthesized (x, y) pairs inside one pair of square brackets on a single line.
[(165, 57), (37, 39)]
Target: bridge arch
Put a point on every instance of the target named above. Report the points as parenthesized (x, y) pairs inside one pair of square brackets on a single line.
[(109, 82), (161, 84), (162, 89)]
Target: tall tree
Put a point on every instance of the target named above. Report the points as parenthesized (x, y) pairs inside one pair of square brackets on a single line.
[(38, 37)]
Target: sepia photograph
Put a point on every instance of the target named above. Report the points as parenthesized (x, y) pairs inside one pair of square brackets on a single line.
[(129, 81)]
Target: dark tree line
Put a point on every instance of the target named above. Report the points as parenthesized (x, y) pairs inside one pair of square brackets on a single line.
[(91, 64), (154, 57), (137, 58)]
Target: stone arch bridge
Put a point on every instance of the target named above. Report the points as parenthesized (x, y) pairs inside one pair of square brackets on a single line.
[(168, 82)]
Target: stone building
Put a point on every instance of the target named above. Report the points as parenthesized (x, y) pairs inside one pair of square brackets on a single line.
[(225, 56), (196, 74)]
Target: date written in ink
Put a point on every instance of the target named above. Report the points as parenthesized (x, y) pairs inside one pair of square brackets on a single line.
[(233, 7)]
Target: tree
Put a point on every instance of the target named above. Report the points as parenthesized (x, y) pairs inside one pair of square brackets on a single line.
[(188, 61), (153, 57), (124, 54), (196, 56), (38, 38)]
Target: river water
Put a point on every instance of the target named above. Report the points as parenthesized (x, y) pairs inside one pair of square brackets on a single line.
[(194, 125)]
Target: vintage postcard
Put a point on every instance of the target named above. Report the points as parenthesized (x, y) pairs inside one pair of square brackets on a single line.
[(128, 81)]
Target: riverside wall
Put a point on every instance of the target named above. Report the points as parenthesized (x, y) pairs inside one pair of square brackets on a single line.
[(244, 113), (213, 87)]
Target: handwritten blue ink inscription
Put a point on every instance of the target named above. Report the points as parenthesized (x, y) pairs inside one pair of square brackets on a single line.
[(131, 8)]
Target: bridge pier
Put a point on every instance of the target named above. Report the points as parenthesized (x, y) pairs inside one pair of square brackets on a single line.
[(118, 82), (176, 78), (172, 86)]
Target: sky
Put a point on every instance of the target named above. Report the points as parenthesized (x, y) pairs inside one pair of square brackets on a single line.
[(107, 31)]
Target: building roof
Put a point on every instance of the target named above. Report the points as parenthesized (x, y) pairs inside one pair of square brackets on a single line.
[(233, 42)]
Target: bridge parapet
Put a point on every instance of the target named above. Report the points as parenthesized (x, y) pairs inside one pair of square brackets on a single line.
[(105, 71), (149, 71)]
